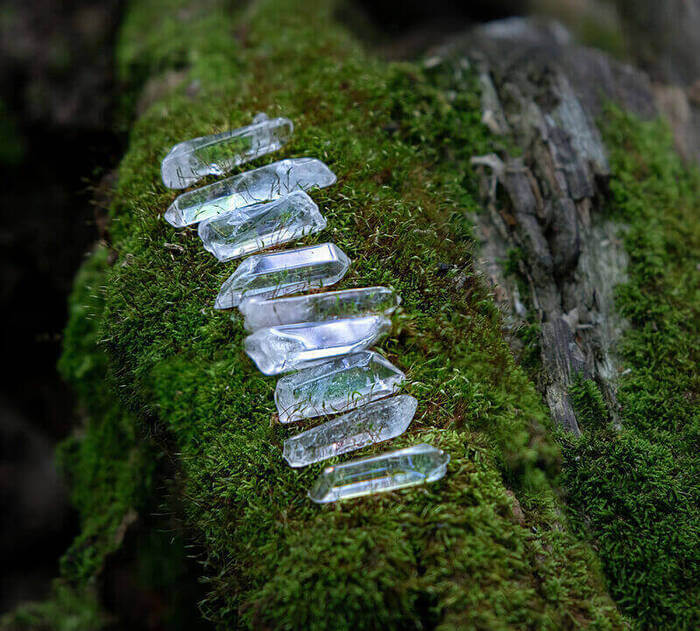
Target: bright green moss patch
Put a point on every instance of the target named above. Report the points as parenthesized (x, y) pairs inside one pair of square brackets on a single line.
[(588, 404), (636, 491)]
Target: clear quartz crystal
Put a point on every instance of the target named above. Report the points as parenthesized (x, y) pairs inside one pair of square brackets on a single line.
[(336, 386), (285, 272), (316, 307), (386, 472), (296, 346), (369, 424), (190, 161), (254, 228), (252, 187)]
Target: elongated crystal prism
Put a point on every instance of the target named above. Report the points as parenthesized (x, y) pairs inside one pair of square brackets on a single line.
[(331, 305), (336, 386), (387, 472), (253, 228), (190, 161), (253, 187), (295, 346), (281, 273), (372, 423)]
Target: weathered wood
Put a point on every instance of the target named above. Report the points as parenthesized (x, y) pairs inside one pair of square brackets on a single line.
[(547, 93)]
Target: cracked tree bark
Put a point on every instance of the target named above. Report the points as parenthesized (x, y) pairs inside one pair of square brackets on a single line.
[(546, 94)]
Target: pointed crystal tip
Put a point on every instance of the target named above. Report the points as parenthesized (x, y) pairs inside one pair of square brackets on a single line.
[(173, 216), (387, 472)]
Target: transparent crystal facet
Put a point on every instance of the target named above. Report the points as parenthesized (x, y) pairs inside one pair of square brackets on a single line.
[(331, 305), (190, 161), (336, 386), (253, 187), (281, 273), (386, 472), (372, 423), (295, 346), (254, 228)]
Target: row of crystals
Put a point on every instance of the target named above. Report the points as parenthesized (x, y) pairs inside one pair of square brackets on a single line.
[(324, 337)]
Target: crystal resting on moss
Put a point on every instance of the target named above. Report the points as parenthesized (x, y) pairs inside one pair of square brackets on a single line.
[(254, 228), (316, 307), (281, 273), (190, 161), (369, 424), (252, 187), (295, 346), (336, 386), (387, 472)]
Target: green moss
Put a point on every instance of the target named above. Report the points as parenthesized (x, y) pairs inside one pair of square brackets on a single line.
[(588, 404), (635, 492)]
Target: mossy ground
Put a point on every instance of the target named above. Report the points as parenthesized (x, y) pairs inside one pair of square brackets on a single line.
[(463, 553), (635, 492)]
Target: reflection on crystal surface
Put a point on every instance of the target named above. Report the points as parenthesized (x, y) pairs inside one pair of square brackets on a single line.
[(386, 472), (372, 423), (316, 307), (261, 226), (294, 346), (336, 386), (281, 273), (253, 187), (190, 161)]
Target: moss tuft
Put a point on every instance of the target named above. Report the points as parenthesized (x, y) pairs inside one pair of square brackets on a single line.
[(588, 404)]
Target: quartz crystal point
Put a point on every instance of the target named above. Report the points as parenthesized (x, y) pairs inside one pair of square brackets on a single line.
[(261, 226), (253, 187), (281, 273), (295, 346), (372, 423), (386, 472), (331, 305), (336, 386), (190, 161)]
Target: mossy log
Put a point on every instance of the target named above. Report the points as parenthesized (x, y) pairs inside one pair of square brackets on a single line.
[(178, 420)]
